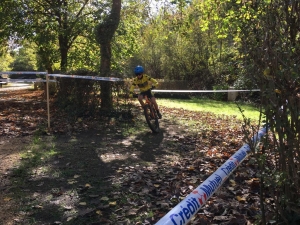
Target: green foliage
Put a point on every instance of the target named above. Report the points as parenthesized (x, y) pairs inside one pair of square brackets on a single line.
[(220, 96), (25, 59), (53, 26), (269, 37), (5, 62), (84, 54), (127, 37), (193, 44)]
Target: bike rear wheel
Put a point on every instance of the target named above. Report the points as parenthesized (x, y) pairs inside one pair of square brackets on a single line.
[(151, 118)]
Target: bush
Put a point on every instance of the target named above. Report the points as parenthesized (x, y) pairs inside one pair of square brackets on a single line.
[(78, 97), (220, 96)]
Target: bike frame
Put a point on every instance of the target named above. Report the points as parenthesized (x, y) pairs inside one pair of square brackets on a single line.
[(152, 121)]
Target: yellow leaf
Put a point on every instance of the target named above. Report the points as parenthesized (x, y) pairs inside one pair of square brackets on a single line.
[(72, 182), (240, 199), (7, 199), (87, 185), (82, 203), (191, 168), (277, 91), (232, 182), (76, 176), (99, 212), (112, 203)]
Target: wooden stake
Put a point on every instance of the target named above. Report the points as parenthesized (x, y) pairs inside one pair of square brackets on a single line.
[(48, 104)]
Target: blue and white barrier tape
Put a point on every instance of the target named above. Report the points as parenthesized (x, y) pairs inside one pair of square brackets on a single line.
[(61, 75), (183, 212), (110, 79), (87, 77)]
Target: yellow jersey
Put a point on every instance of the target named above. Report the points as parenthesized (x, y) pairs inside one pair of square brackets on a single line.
[(144, 84)]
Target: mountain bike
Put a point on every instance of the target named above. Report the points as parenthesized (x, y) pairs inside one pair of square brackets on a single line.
[(151, 115)]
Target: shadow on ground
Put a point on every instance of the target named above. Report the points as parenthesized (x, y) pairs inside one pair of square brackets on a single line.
[(99, 176)]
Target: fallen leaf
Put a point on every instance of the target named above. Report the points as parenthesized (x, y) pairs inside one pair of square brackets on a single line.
[(241, 199), (104, 199), (7, 199), (232, 183), (112, 203)]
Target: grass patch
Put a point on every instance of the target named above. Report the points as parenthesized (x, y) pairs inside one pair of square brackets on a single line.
[(216, 107)]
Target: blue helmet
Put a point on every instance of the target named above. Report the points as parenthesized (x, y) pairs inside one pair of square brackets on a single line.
[(138, 70)]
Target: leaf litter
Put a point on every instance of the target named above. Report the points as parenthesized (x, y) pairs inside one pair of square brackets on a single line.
[(138, 179)]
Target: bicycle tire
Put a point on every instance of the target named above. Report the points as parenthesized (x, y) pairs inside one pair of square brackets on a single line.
[(152, 122)]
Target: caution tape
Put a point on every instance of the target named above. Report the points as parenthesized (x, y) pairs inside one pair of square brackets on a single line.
[(25, 80), (87, 77), (106, 79), (203, 91), (183, 212)]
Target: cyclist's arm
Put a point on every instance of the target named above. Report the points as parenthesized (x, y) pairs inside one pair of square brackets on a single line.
[(133, 85), (154, 82)]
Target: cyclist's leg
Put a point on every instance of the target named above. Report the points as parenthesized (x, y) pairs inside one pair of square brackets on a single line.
[(141, 99), (153, 100)]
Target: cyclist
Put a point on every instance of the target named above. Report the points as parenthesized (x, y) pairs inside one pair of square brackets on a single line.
[(142, 82)]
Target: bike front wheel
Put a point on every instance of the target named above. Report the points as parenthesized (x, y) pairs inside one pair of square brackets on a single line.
[(151, 118)]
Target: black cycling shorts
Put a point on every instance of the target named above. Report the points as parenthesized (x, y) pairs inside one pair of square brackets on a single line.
[(147, 93)]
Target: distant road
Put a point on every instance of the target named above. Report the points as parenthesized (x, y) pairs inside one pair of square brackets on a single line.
[(15, 86)]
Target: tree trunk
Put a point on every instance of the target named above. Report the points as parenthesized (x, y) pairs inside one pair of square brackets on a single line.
[(106, 93), (63, 47), (104, 35)]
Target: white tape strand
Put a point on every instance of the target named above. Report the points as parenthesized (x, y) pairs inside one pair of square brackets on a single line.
[(183, 212), (203, 91), (110, 79), (87, 77), (24, 80), (22, 72)]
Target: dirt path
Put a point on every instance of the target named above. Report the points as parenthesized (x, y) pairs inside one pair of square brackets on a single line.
[(91, 155), (10, 149), (15, 86), (95, 172)]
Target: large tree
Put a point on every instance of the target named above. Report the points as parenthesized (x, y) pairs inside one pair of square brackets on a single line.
[(104, 35), (7, 24), (52, 25)]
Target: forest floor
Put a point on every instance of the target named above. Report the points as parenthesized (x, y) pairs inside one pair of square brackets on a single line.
[(114, 171)]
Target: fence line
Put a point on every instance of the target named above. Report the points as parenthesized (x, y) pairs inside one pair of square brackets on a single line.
[(183, 212), (204, 91)]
